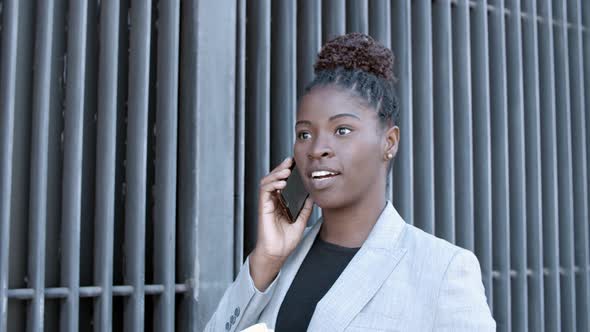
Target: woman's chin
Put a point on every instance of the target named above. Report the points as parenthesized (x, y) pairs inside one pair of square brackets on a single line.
[(329, 201)]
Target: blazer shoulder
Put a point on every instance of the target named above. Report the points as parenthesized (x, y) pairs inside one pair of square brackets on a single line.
[(422, 245)]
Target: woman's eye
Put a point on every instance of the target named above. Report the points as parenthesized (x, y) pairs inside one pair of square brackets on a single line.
[(343, 131), (303, 135)]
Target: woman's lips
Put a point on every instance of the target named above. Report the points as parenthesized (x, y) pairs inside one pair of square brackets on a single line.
[(323, 182)]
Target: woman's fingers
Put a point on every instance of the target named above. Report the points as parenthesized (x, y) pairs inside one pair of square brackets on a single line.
[(269, 189), (275, 175), (272, 186), (305, 211), (284, 165)]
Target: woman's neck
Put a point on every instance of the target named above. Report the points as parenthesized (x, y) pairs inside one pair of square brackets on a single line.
[(350, 226)]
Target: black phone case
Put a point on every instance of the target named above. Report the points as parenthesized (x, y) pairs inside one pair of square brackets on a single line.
[(292, 208)]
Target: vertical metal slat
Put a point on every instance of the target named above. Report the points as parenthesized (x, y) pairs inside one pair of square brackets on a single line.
[(380, 22), (106, 156), (119, 261), (500, 190), (89, 133), (579, 165), (72, 170), (240, 138), (283, 80), (257, 110), (463, 127), (584, 8), (564, 168), (444, 166), (585, 12), (423, 116), (7, 109), (357, 12), (549, 168), (309, 39), (534, 215), (517, 175), (333, 22), (403, 164), (55, 165), (166, 155), (482, 154), (39, 164), (136, 164), (190, 263), (19, 212), (55, 161)]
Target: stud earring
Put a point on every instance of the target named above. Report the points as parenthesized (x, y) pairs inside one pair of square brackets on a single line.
[(389, 156)]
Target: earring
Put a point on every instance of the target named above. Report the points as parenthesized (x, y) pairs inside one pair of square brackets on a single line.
[(389, 156)]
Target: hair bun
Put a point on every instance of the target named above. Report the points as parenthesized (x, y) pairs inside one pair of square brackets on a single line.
[(356, 51)]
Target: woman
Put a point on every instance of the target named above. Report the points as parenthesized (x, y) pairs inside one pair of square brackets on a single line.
[(360, 267)]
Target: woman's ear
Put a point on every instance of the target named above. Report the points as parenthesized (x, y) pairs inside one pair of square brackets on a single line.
[(391, 141)]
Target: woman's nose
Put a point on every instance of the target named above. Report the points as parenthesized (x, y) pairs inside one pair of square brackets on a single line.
[(320, 150)]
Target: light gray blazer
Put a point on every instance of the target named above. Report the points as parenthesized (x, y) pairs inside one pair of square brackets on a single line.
[(401, 279)]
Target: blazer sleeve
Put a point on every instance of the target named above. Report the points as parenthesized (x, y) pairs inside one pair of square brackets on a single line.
[(462, 302), (241, 304)]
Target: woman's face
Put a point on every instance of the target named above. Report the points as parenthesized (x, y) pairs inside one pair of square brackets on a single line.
[(339, 147)]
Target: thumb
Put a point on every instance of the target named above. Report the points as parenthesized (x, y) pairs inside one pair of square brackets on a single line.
[(305, 211)]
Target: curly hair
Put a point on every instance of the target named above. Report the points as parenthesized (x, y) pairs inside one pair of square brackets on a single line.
[(358, 63)]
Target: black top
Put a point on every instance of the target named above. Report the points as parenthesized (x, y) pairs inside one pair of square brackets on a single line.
[(319, 270)]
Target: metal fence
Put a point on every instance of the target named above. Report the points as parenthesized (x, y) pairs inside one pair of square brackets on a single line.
[(133, 135)]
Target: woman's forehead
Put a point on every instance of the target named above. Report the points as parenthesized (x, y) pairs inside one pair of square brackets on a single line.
[(328, 102)]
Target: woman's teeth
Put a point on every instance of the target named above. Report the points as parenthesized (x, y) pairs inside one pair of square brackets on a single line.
[(322, 174)]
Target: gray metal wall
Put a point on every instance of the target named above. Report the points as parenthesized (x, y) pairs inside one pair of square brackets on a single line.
[(133, 135)]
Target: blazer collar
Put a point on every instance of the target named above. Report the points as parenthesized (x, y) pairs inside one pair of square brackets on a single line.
[(386, 231), (364, 275)]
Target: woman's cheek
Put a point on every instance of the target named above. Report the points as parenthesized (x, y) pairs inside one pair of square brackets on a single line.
[(298, 153)]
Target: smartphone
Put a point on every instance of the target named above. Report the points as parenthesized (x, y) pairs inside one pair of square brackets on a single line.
[(292, 197)]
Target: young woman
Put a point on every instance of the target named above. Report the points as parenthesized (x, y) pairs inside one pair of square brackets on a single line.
[(360, 267)]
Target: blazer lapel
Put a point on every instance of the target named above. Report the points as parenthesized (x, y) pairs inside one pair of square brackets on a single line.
[(363, 276)]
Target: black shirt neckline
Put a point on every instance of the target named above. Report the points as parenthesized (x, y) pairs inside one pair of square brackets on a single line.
[(334, 247)]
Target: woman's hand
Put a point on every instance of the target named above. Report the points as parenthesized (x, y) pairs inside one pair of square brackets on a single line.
[(277, 237)]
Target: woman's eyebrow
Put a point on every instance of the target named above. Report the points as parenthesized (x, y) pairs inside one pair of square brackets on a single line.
[(344, 115), (301, 122)]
